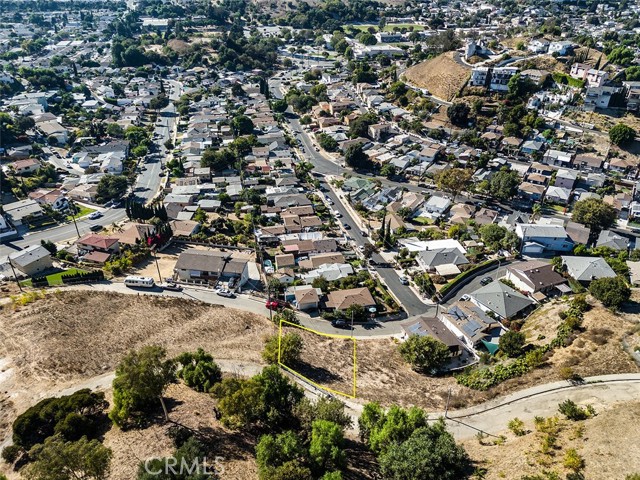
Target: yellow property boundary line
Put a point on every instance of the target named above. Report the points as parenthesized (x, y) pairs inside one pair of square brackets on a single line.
[(329, 335)]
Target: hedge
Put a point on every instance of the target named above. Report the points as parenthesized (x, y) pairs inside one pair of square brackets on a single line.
[(468, 273), (81, 277)]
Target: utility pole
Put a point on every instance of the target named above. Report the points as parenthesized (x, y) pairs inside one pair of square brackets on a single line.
[(155, 257), (74, 211), (14, 274)]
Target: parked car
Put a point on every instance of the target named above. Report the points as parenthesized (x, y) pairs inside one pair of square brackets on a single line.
[(346, 226), (338, 323), (363, 233), (174, 287), (226, 294), (404, 280), (337, 214), (95, 215), (275, 304), (486, 281), (95, 228)]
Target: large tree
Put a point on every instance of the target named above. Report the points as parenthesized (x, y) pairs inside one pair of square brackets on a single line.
[(326, 447), (504, 184), (288, 345), (621, 134), (110, 187), (356, 158), (458, 113), (242, 125), (198, 371), (140, 382), (453, 180), (424, 353), (612, 292), (594, 213), (512, 343), (431, 453), (56, 459)]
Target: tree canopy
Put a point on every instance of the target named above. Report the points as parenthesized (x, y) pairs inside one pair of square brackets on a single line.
[(430, 453), (110, 187), (612, 292), (356, 158), (621, 134), (512, 343), (141, 379), (424, 353), (594, 213), (198, 371), (290, 346), (458, 114), (453, 180)]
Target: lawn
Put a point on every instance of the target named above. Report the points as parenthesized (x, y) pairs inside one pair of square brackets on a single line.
[(422, 221), (82, 211), (55, 278)]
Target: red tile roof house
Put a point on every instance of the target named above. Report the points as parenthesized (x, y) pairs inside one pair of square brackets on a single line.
[(100, 243)]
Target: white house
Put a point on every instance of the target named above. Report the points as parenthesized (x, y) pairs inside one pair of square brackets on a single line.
[(592, 77)]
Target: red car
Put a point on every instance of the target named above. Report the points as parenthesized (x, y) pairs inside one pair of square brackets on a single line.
[(275, 304)]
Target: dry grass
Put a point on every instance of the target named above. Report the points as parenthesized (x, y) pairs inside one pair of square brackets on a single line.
[(442, 75), (608, 443)]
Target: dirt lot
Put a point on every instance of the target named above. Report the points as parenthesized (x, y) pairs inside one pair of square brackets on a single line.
[(442, 75), (71, 337), (608, 442)]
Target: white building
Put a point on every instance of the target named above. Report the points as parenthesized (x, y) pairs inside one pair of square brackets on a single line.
[(592, 77)]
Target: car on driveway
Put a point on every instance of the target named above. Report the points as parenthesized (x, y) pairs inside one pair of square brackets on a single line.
[(486, 281), (94, 215)]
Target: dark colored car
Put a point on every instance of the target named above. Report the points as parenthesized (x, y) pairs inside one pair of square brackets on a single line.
[(95, 228), (346, 226), (486, 281), (340, 324)]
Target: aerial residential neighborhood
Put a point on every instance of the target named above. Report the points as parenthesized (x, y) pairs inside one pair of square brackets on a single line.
[(293, 236)]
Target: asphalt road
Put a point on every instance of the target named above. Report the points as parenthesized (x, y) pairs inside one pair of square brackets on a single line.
[(323, 165)]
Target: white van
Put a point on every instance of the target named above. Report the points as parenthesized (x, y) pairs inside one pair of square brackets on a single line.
[(133, 281)]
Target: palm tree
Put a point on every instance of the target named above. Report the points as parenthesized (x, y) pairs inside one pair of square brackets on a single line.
[(537, 211)]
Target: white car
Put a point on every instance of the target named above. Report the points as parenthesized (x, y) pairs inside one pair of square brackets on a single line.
[(337, 214), (94, 215)]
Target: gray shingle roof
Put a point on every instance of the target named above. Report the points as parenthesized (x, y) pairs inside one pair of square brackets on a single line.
[(585, 269), (501, 299)]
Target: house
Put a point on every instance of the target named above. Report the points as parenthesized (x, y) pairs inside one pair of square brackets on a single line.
[(329, 271), (31, 261), (609, 239), (87, 192), (136, 233), (461, 213), (211, 266), (562, 47), (343, 299), (534, 276), (578, 233), (586, 269), (531, 191), (92, 242), (485, 216), (25, 167), (600, 96), (588, 162), (565, 178), (502, 300), (54, 198), (436, 206), (307, 298), (557, 158), (531, 146), (53, 130), (424, 325), (23, 211), (538, 45), (591, 76), (473, 326), (315, 261), (285, 260), (445, 261), (543, 239), (558, 195)]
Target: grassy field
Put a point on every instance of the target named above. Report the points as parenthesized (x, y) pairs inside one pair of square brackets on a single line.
[(55, 278), (82, 211)]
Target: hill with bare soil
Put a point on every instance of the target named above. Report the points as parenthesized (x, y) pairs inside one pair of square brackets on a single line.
[(442, 76)]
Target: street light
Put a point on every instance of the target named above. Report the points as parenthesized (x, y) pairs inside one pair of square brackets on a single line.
[(74, 211)]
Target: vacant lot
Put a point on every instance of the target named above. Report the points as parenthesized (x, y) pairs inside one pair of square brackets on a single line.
[(608, 443), (442, 76)]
